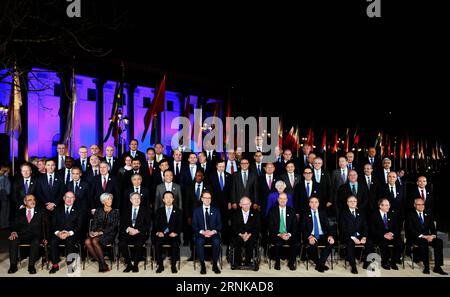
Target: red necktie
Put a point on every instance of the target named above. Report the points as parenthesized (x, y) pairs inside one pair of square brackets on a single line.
[(232, 168), (422, 195), (104, 183), (151, 168), (29, 216)]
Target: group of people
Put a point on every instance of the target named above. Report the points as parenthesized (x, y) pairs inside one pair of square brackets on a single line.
[(236, 199)]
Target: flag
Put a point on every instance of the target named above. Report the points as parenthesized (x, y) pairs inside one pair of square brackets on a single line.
[(335, 143), (347, 140), (388, 143), (402, 149), (71, 111), (324, 141), (13, 123), (280, 134), (114, 118), (408, 148), (356, 138), (155, 107), (378, 140), (297, 140), (310, 138), (289, 140)]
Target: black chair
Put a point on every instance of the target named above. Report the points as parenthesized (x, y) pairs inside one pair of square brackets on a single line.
[(111, 247), (164, 247), (256, 257), (269, 249), (319, 247), (45, 258), (207, 245)]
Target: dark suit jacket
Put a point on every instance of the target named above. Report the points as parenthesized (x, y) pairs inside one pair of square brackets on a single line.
[(351, 226), (78, 164), (263, 189), (143, 220), (289, 189), (376, 165), (220, 198), (46, 194), (18, 191), (238, 190), (139, 155), (301, 199), (274, 222), (37, 228), (191, 201), (306, 222), (97, 190), (253, 225), (115, 165), (429, 202), (208, 170), (336, 183), (145, 197), (73, 223), (215, 157), (82, 194), (61, 174), (372, 192), (377, 229), (254, 169), (398, 204), (198, 221), (345, 191), (126, 181), (414, 229), (324, 192), (175, 223), (89, 175)]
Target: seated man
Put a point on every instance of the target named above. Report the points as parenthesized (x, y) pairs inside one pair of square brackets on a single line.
[(421, 231), (206, 224), (168, 226), (245, 225), (353, 230), (28, 227), (316, 231), (283, 230), (134, 228), (384, 231), (66, 225)]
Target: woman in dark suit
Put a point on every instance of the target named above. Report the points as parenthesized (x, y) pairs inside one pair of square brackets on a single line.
[(103, 231)]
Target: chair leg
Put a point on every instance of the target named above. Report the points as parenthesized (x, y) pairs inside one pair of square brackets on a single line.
[(193, 256)]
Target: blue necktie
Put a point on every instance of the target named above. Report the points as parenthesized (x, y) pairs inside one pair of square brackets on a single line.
[(50, 182), (133, 219), (259, 169), (67, 213), (354, 190), (385, 220), (168, 213), (83, 165), (221, 182), (26, 186), (308, 190), (197, 192), (422, 222), (316, 225)]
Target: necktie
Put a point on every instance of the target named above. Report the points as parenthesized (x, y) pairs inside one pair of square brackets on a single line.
[(353, 214), (206, 219), (150, 168), (133, 154), (198, 191), (270, 182), (282, 229), (245, 178), (110, 163), (422, 195), (221, 182), (354, 190), (317, 177), (67, 176), (61, 163), (245, 217), (316, 225), (392, 192), (26, 187), (349, 166), (168, 213), (192, 172), (291, 179), (368, 182), (83, 165), (67, 213), (308, 190), (75, 187), (209, 156), (204, 167), (29, 215), (104, 184), (177, 170), (232, 167), (50, 181), (371, 162), (136, 190), (343, 178), (133, 218), (305, 160), (95, 172), (259, 169), (422, 222), (385, 221)]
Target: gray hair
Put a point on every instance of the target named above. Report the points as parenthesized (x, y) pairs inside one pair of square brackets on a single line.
[(105, 196), (280, 183), (134, 193)]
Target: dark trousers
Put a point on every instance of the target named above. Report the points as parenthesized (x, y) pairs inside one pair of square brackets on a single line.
[(278, 245), (200, 241), (350, 249), (138, 241), (174, 242), (54, 247), (313, 250), (423, 248), (238, 244), (386, 257), (24, 239)]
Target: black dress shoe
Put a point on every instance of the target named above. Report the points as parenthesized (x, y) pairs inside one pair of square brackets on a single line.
[(135, 268), (394, 266), (426, 271), (277, 266), (325, 267), (386, 266), (54, 270), (12, 269), (128, 268), (160, 269), (354, 270), (190, 259), (32, 270), (320, 268), (203, 268), (439, 270), (366, 265), (292, 267), (174, 269), (216, 269)]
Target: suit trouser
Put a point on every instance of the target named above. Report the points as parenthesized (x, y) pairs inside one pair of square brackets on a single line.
[(54, 247), (386, 253), (292, 242), (437, 245), (313, 250), (138, 241), (200, 241), (350, 249), (173, 241), (238, 244), (23, 239)]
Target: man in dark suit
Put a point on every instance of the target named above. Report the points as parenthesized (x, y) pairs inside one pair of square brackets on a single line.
[(232, 164), (283, 231), (137, 169), (92, 170), (384, 231), (112, 161), (83, 161), (353, 188), (303, 159), (80, 188), (134, 152), (396, 195), (421, 231), (305, 189), (168, 227), (158, 177), (245, 226), (372, 187), (136, 187), (61, 157), (188, 171), (168, 185), (351, 163), (211, 155), (24, 184), (203, 164), (176, 165), (316, 231), (151, 165), (49, 188), (30, 226), (134, 229), (206, 224), (322, 177), (66, 226), (65, 174), (338, 178), (159, 152), (104, 183), (421, 191), (244, 183), (373, 160), (354, 230), (257, 166), (266, 184), (383, 173), (290, 177)]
